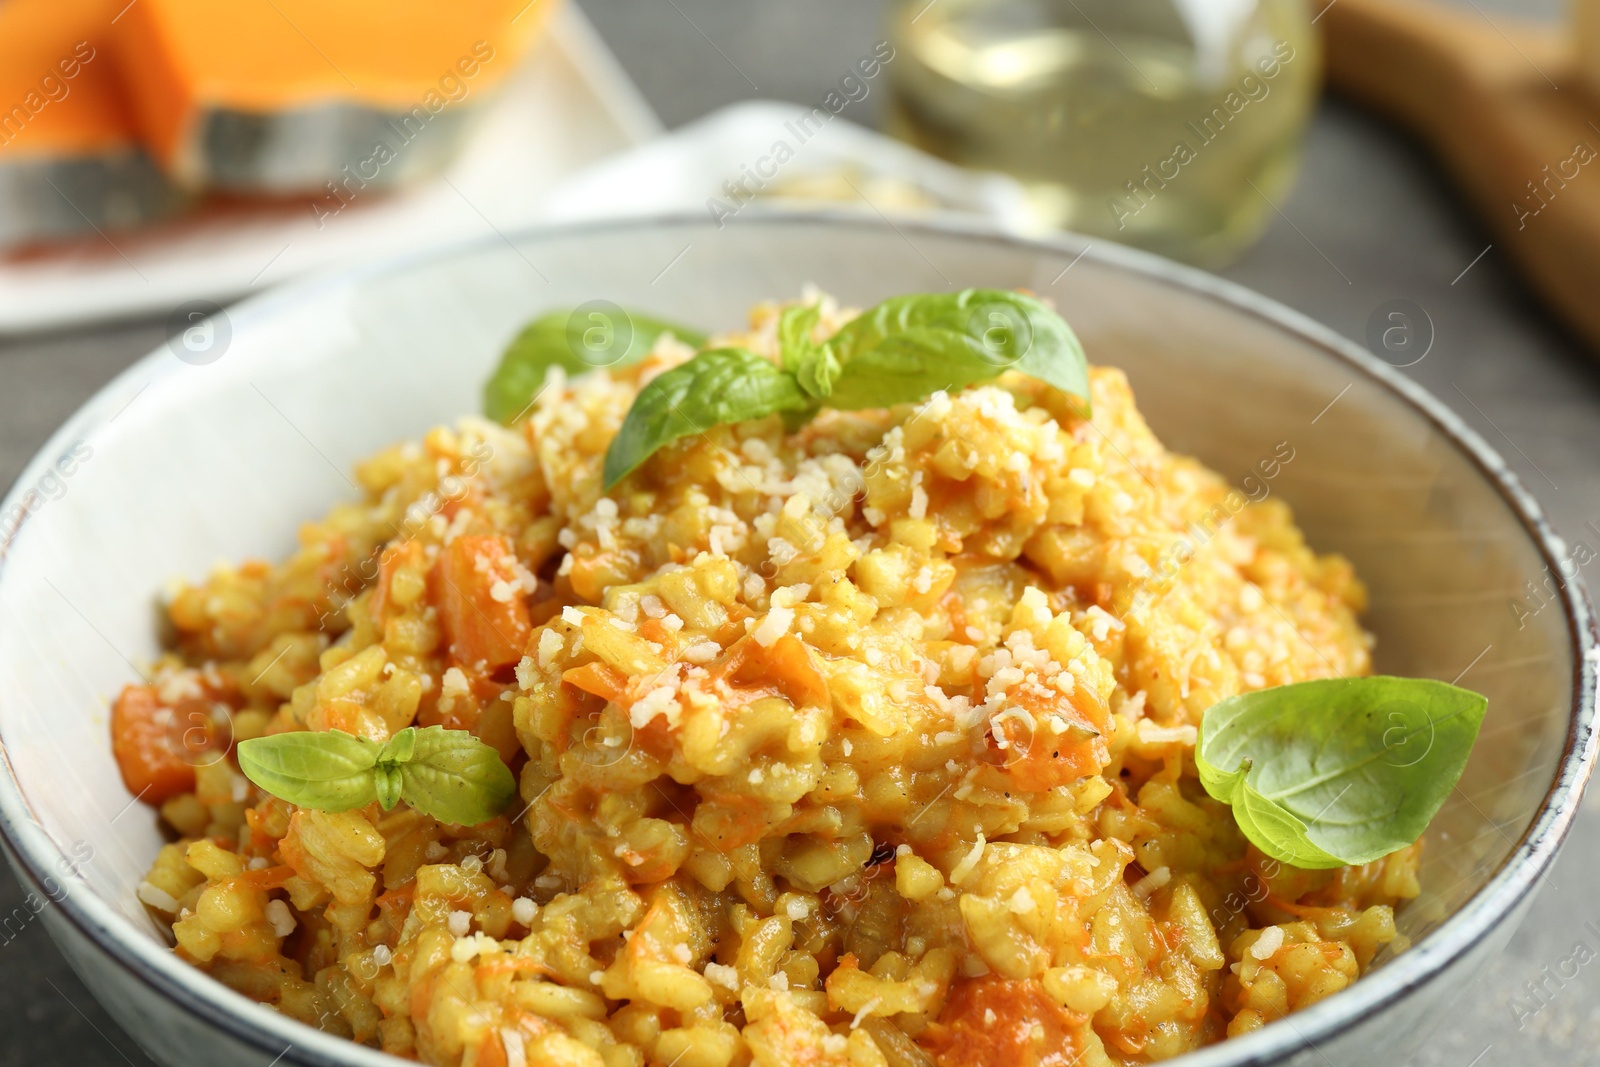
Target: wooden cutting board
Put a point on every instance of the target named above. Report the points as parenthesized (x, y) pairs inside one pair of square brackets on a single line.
[(1502, 106)]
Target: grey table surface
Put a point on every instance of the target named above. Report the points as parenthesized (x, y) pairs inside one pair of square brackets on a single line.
[(1370, 221)]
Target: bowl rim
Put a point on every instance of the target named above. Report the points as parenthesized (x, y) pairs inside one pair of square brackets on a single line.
[(34, 855)]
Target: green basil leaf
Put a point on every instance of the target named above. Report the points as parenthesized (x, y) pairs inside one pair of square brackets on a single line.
[(396, 751), (580, 339), (909, 346), (717, 387), (819, 372), (455, 777), (328, 770), (899, 352), (388, 783), (1262, 820), (1340, 770), (399, 748), (795, 324), (814, 366)]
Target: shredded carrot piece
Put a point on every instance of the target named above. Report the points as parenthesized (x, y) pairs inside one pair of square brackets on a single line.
[(603, 681), (266, 877), (511, 965)]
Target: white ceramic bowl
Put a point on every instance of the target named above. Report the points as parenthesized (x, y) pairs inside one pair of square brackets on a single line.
[(188, 464)]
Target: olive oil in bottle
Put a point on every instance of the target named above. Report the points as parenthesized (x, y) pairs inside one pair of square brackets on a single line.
[(1174, 125)]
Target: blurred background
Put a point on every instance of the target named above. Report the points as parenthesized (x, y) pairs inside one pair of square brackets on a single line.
[(1415, 174)]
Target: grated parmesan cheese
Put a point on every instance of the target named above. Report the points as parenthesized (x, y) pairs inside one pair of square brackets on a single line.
[(157, 898), (774, 626), (969, 862), (1270, 941), (723, 975), (283, 922), (1151, 882)]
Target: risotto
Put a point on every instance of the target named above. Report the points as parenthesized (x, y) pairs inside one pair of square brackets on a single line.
[(869, 742)]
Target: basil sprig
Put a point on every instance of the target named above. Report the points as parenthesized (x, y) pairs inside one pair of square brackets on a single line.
[(448, 774), (899, 352), (598, 334), (1341, 770)]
